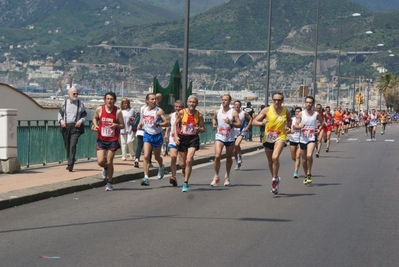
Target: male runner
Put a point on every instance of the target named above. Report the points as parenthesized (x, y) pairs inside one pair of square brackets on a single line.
[(294, 144), (107, 121), (241, 132), (278, 122), (307, 122), (189, 123), (169, 136), (153, 120), (338, 122), (319, 136), (224, 121), (373, 124), (328, 127)]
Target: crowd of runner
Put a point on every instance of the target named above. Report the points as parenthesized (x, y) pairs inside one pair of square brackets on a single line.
[(304, 129)]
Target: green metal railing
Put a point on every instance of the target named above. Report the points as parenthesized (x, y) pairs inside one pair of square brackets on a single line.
[(40, 142)]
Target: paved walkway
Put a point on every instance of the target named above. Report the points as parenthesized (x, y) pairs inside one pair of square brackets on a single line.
[(41, 182)]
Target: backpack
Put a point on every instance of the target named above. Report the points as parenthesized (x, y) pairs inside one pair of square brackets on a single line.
[(135, 122)]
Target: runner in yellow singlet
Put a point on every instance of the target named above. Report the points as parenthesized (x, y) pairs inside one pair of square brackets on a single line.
[(277, 122)]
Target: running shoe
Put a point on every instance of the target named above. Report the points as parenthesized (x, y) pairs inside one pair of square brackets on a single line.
[(183, 172), (295, 175), (136, 164), (215, 181), (173, 181), (239, 159), (305, 181), (327, 149), (309, 178), (184, 187), (105, 174), (238, 166), (337, 140), (274, 188), (317, 155), (131, 158), (145, 181), (124, 158), (108, 187), (382, 133), (161, 172), (226, 181)]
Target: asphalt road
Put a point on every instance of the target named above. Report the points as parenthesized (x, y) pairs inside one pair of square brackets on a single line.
[(347, 217)]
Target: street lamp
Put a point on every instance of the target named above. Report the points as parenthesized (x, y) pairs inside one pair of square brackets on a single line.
[(186, 47), (339, 53), (269, 41), (315, 53)]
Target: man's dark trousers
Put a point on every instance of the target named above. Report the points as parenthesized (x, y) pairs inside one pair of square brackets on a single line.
[(71, 135)]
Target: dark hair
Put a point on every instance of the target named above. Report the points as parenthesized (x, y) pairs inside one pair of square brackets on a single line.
[(280, 94), (310, 97), (238, 101), (228, 96), (148, 96), (328, 107), (111, 94), (298, 108)]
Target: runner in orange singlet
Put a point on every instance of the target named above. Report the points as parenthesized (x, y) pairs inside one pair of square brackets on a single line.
[(338, 122)]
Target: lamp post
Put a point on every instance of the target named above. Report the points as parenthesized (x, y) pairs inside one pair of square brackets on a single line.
[(186, 47), (315, 53), (339, 53), (269, 41)]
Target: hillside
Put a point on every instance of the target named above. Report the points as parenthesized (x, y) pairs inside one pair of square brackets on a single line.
[(179, 6), (59, 24), (379, 5)]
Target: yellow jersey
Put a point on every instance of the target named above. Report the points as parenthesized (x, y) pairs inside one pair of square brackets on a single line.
[(275, 126)]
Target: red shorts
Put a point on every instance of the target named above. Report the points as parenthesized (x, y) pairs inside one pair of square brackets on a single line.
[(327, 128)]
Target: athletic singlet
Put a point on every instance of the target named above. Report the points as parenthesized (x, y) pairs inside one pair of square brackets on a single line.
[(346, 118), (322, 117), (275, 126), (149, 119), (295, 133), (224, 132), (188, 123), (338, 116), (172, 127), (238, 131), (373, 120), (383, 119), (105, 132), (308, 131), (328, 119)]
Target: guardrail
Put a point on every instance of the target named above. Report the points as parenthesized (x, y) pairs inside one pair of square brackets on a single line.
[(40, 142)]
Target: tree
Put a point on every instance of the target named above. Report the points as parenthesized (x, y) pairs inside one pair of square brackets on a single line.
[(388, 87)]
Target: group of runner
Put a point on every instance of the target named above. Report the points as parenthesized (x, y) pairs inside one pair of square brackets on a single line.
[(307, 131)]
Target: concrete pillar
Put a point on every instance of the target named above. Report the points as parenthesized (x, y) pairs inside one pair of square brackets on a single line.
[(8, 141)]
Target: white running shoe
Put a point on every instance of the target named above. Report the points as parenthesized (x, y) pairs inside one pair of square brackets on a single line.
[(215, 181), (226, 181), (108, 187), (105, 174), (274, 188), (161, 172)]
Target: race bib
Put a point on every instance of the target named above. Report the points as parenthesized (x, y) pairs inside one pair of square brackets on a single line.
[(308, 133), (189, 129), (107, 131), (149, 120), (225, 132), (272, 135)]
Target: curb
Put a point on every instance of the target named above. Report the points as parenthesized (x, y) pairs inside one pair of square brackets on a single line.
[(29, 195)]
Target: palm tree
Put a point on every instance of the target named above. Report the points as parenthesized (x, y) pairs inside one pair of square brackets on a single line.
[(384, 86)]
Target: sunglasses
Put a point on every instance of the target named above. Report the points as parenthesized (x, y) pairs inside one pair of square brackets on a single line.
[(75, 94), (277, 99)]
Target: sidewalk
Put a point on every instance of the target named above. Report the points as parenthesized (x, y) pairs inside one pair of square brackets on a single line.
[(38, 182)]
